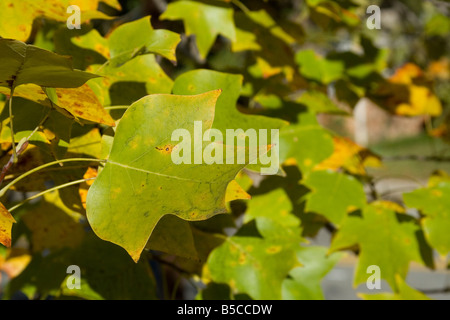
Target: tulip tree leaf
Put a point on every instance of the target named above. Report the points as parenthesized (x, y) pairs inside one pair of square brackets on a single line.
[(204, 20), (161, 42), (140, 167), (383, 240), (333, 194), (21, 63), (434, 202)]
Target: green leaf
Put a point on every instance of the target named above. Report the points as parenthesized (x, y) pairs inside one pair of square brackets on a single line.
[(141, 39), (319, 102), (383, 240), (434, 202), (334, 195), (252, 265), (273, 214), (318, 68), (227, 116), (22, 63), (130, 82), (140, 168), (205, 21), (299, 142)]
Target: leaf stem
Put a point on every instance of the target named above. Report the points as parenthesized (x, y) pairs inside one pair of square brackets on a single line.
[(240, 5), (4, 189), (11, 125), (116, 107), (68, 184)]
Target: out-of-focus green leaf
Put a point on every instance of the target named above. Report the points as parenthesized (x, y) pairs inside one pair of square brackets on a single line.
[(204, 20), (379, 227), (434, 202)]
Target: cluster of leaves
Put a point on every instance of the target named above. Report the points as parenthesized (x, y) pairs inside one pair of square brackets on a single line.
[(89, 136)]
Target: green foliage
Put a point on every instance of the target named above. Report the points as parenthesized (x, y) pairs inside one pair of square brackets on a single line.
[(86, 123)]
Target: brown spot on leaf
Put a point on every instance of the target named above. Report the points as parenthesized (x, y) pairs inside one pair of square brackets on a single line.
[(167, 149)]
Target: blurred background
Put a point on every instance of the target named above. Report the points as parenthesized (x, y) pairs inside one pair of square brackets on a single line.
[(356, 70)]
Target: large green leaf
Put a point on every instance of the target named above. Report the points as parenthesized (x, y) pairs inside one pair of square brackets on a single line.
[(22, 63), (383, 240), (140, 168), (434, 202), (204, 20)]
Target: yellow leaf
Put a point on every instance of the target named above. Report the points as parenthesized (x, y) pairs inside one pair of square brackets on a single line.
[(408, 93), (17, 261), (79, 102), (17, 16), (421, 102), (405, 74), (350, 156), (6, 222), (84, 187)]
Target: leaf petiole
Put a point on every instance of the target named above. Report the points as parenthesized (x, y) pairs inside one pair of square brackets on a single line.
[(5, 189), (68, 184)]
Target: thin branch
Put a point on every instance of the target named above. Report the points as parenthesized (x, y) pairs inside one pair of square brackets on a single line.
[(13, 142), (65, 185), (5, 189), (10, 162)]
